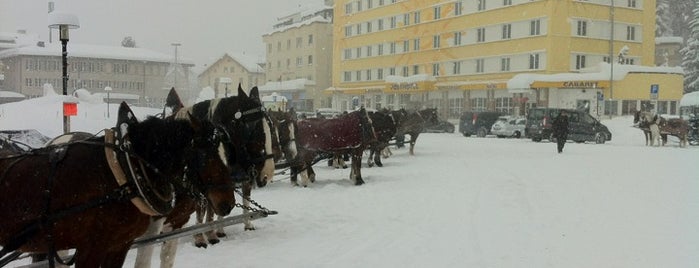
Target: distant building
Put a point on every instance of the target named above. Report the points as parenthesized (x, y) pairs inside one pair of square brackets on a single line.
[(232, 69), (138, 75), (667, 51), (461, 55), (299, 57)]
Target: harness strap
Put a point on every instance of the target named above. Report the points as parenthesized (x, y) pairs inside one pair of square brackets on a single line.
[(120, 176)]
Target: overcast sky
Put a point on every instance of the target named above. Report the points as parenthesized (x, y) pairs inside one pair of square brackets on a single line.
[(206, 29)]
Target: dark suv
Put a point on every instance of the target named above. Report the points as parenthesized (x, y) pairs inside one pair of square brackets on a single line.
[(477, 123), (582, 126)]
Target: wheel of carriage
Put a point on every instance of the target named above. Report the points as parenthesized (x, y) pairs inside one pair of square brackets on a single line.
[(600, 138)]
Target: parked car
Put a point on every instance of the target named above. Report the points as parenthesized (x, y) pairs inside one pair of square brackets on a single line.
[(442, 127), (582, 126), (477, 123), (509, 126)]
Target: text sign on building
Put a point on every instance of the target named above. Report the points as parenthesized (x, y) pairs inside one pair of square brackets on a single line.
[(654, 88)]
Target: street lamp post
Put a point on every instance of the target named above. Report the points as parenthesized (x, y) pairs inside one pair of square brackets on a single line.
[(175, 70), (108, 89), (63, 22)]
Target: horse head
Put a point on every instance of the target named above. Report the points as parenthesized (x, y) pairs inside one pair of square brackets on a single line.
[(285, 124), (180, 155), (251, 135), (430, 116)]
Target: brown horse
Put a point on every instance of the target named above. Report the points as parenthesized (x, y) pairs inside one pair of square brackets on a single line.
[(413, 123), (385, 129), (96, 196), (251, 160), (676, 127), (346, 134)]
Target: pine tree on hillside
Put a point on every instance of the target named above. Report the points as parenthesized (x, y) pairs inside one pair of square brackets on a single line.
[(690, 58)]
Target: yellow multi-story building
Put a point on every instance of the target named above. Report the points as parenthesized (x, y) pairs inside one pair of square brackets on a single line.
[(504, 55)]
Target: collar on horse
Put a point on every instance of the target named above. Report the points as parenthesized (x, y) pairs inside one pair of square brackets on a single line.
[(149, 200)]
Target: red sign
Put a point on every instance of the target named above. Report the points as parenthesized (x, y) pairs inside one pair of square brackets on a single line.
[(70, 109)]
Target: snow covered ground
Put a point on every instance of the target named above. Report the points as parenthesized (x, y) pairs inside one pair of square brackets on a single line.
[(459, 202)]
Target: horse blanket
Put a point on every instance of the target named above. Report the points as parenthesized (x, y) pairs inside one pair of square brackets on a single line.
[(344, 132)]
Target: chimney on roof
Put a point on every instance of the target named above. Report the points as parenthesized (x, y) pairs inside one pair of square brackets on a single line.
[(40, 44)]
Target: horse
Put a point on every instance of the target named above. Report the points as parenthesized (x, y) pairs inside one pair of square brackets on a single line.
[(249, 137), (385, 129), (97, 195), (676, 127), (413, 123), (285, 125), (346, 134), (648, 123)]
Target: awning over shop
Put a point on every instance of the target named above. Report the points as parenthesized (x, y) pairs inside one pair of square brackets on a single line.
[(571, 84)]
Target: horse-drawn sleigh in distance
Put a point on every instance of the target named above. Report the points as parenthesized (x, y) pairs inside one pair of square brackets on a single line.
[(656, 128)]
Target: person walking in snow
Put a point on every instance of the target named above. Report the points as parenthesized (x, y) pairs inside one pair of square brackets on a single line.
[(560, 129)]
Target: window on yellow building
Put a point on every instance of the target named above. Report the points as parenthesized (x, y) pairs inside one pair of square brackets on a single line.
[(582, 28)]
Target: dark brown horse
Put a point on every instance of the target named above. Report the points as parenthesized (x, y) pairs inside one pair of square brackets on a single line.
[(385, 129), (413, 123), (96, 196), (346, 134), (251, 160)]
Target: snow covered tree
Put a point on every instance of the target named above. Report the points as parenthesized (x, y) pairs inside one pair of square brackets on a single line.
[(690, 58), (128, 42), (663, 19)]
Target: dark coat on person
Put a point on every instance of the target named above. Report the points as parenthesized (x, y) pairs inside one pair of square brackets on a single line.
[(560, 126)]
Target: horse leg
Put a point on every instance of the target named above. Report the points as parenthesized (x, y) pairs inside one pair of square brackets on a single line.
[(356, 174), (386, 152), (370, 159), (413, 139), (247, 189), (199, 240), (377, 157), (144, 254), (211, 235), (341, 160), (168, 250)]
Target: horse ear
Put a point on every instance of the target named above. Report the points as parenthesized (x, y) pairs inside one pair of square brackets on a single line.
[(255, 93), (125, 118), (194, 122), (173, 101), (241, 92)]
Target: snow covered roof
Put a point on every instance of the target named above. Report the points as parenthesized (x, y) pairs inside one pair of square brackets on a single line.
[(249, 62), (669, 40), (690, 99), (599, 73), (93, 51), (10, 94), (288, 85), (318, 18)]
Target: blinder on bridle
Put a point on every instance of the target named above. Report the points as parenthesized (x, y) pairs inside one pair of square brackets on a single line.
[(219, 136), (248, 124)]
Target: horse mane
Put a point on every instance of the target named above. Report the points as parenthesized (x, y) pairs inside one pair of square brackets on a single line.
[(159, 141)]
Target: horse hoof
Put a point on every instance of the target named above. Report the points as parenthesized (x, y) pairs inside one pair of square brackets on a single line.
[(220, 234), (214, 241), (359, 182), (344, 167), (379, 164), (200, 245), (250, 228)]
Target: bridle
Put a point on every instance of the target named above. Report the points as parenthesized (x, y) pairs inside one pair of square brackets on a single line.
[(248, 125)]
